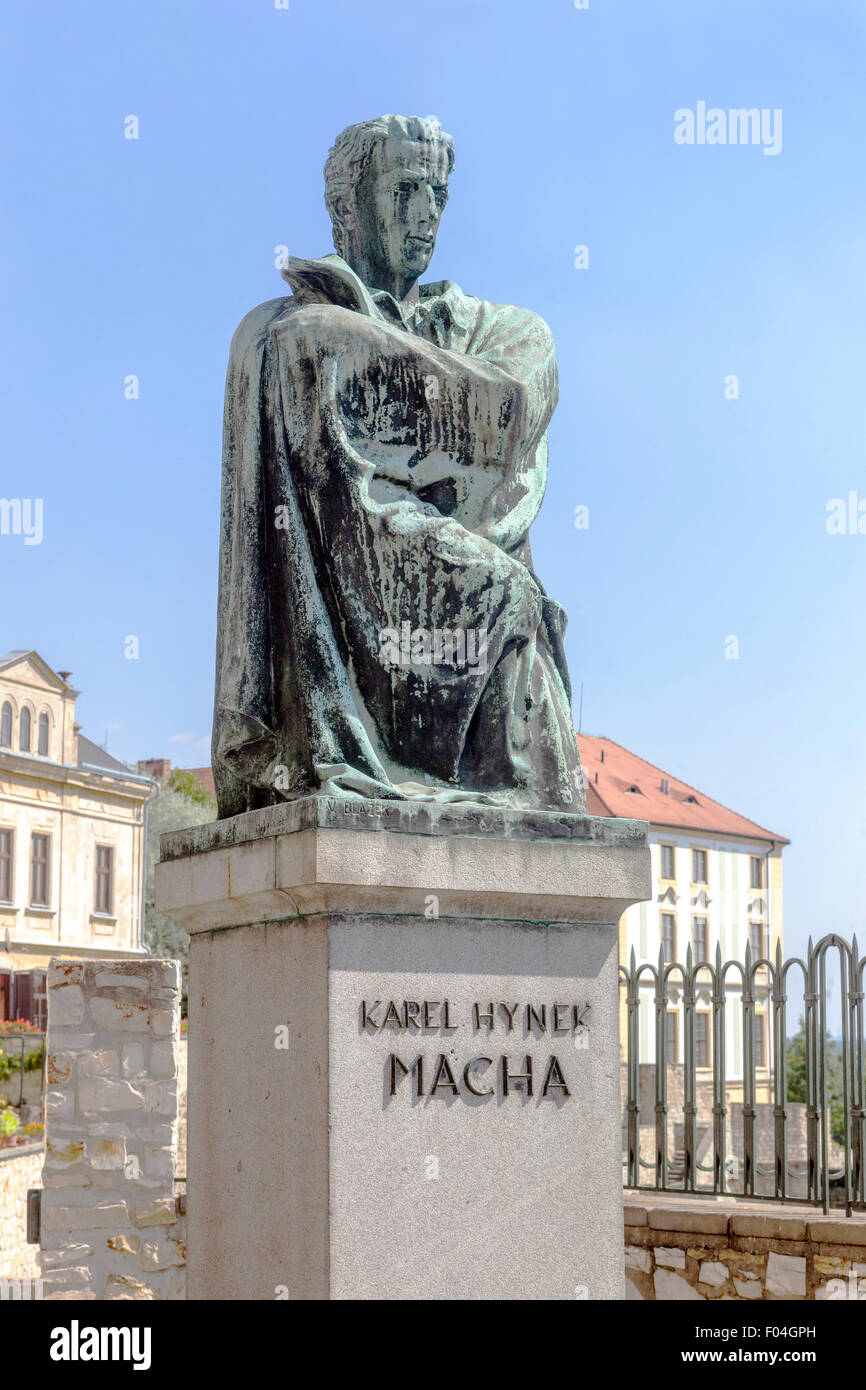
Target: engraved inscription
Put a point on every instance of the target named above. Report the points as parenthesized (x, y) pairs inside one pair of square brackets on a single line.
[(442, 1075)]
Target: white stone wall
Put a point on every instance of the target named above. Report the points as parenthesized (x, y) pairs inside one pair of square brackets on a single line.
[(18, 1173), (111, 1227), (182, 1075)]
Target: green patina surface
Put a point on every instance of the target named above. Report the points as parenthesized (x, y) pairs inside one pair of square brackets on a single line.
[(382, 631)]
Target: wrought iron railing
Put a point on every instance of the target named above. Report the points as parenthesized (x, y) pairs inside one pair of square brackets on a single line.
[(806, 1148)]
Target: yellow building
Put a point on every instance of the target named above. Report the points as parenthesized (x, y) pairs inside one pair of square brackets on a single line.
[(717, 882), (72, 837)]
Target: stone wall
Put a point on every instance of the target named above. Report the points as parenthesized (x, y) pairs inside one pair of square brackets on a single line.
[(182, 1075), (18, 1173), (703, 1250), (111, 1225), (646, 1097), (765, 1132)]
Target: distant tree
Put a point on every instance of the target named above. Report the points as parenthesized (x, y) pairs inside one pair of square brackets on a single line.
[(165, 938), (190, 786), (795, 1056), (181, 803)]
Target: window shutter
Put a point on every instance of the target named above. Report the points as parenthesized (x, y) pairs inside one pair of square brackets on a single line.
[(5, 995), (23, 1002)]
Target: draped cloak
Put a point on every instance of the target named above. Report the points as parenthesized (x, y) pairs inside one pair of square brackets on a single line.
[(382, 463)]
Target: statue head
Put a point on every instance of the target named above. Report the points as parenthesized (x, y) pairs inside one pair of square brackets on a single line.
[(386, 185)]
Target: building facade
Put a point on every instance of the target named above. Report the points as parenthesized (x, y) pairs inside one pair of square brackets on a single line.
[(717, 882), (72, 837)]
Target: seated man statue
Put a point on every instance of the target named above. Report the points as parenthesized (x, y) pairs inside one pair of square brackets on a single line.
[(382, 632)]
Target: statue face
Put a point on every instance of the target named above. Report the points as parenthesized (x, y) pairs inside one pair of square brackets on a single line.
[(399, 207)]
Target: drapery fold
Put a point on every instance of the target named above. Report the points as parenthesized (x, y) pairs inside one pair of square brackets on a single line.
[(381, 467)]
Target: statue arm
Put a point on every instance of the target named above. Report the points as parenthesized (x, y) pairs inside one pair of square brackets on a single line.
[(501, 399)]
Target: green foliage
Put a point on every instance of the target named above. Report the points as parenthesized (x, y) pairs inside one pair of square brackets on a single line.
[(182, 803), (11, 1061), (8, 1123), (190, 787), (165, 938), (795, 1057), (795, 1054)]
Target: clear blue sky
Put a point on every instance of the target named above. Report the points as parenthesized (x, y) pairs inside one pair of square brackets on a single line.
[(707, 516)]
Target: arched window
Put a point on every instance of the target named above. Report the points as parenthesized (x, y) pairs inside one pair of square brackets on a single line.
[(24, 740), (42, 746), (6, 726)]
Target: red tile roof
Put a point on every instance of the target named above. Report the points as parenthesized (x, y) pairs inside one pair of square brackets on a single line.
[(611, 770)]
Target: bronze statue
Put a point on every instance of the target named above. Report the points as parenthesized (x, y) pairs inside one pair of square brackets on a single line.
[(382, 632)]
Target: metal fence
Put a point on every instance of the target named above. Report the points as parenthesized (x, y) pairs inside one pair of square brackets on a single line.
[(805, 1141)]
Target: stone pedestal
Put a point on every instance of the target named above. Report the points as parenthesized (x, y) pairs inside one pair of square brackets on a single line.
[(404, 1052)]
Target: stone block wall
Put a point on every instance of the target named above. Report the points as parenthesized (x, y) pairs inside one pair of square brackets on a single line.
[(675, 1094), (111, 1225), (182, 1082), (18, 1173), (701, 1250)]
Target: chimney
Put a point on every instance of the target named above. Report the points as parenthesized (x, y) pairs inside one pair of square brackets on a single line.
[(157, 768)]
